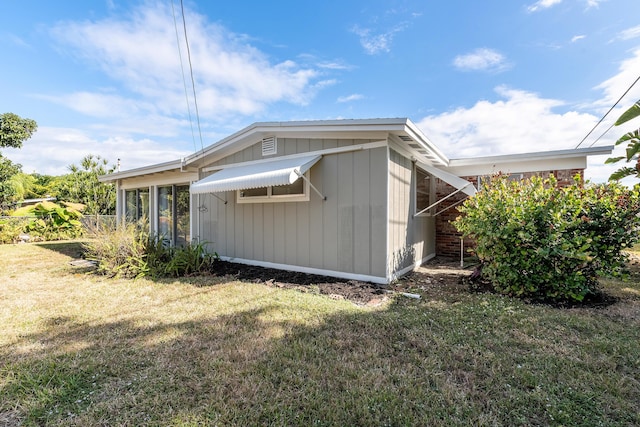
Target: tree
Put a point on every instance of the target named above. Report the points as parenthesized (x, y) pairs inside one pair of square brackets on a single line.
[(8, 191), (82, 186), (14, 130), (633, 146)]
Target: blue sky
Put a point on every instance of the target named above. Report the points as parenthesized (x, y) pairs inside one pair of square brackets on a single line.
[(478, 77)]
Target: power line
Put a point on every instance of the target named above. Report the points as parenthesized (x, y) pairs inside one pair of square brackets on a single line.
[(603, 117), (603, 134), (193, 84), (184, 79)]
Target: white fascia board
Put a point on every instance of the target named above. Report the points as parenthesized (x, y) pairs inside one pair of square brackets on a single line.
[(414, 132), (146, 170), (526, 162), (539, 155)]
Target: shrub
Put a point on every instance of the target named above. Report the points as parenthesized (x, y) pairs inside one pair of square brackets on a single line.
[(130, 252), (11, 229), (539, 241), (119, 252), (50, 221)]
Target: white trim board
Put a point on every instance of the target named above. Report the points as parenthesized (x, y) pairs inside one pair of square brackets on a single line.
[(308, 270)]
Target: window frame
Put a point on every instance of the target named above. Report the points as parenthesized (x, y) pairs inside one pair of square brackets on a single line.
[(431, 191), (278, 198), (174, 219)]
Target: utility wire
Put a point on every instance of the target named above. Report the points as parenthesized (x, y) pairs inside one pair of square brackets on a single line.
[(603, 134), (184, 78), (193, 84), (603, 117)]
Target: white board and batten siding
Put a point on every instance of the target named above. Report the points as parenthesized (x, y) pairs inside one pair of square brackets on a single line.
[(411, 239), (345, 233)]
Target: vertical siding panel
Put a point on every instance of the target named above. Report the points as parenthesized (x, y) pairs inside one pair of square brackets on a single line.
[(247, 230), (330, 212), (258, 231), (257, 151), (230, 216), (279, 254), (290, 233), (316, 145), (303, 146), (269, 224), (345, 212), (303, 232), (329, 143), (378, 196), (362, 212), (290, 146), (217, 213), (239, 230), (316, 214), (247, 154)]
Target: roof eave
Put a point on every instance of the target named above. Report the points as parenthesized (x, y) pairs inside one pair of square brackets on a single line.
[(541, 155), (146, 170)]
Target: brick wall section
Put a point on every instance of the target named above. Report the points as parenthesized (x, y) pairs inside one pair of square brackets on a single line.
[(447, 237)]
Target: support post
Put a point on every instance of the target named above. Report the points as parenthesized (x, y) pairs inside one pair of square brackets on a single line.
[(311, 185)]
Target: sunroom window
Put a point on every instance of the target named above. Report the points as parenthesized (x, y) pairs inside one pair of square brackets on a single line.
[(173, 214), (137, 205)]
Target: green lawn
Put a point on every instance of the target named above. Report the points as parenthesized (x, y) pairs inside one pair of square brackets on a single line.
[(76, 349)]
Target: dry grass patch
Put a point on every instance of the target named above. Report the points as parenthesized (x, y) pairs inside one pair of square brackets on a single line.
[(82, 350)]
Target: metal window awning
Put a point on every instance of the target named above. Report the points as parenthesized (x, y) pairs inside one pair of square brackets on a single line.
[(461, 185), (256, 175)]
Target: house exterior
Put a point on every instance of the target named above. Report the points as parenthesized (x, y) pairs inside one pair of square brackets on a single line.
[(359, 199)]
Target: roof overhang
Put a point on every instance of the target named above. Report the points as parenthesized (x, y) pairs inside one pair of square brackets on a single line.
[(375, 129), (526, 162), (146, 170)]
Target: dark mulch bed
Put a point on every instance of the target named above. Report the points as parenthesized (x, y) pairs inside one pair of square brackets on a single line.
[(361, 293)]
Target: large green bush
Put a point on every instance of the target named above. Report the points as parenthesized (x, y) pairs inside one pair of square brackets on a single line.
[(536, 240)]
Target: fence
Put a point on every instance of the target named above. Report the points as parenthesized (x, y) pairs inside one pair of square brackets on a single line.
[(12, 228), (99, 222)]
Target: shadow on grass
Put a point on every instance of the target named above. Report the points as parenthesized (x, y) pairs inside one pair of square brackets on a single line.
[(71, 248), (480, 362)]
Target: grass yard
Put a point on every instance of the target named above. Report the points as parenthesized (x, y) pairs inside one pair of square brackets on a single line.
[(76, 349)]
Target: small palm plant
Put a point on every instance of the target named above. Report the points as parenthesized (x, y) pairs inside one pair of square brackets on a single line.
[(633, 146)]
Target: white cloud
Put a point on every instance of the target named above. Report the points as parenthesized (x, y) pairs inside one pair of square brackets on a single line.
[(140, 53), (350, 98), (543, 4), (481, 59), (576, 38), (614, 87), (374, 43), (521, 121), (630, 33), (593, 3), (51, 150)]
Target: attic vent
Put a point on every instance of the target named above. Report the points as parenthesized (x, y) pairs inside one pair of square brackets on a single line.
[(405, 138), (269, 146)]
